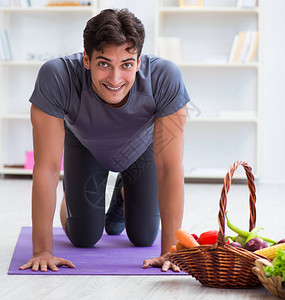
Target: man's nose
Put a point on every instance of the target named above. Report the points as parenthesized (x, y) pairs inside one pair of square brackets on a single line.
[(115, 77)]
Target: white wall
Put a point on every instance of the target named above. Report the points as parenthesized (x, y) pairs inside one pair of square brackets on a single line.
[(273, 119)]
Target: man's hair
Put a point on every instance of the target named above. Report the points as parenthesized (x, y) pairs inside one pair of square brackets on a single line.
[(115, 27)]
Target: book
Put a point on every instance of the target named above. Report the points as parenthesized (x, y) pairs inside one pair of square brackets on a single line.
[(7, 53), (252, 48), (244, 47), (240, 43), (234, 47), (2, 49)]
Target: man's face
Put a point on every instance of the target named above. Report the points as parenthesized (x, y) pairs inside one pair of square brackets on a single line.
[(113, 72)]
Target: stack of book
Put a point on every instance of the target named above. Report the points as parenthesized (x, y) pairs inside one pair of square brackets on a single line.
[(244, 47), (5, 49)]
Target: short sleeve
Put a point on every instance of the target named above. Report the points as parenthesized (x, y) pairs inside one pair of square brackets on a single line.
[(169, 91), (52, 88)]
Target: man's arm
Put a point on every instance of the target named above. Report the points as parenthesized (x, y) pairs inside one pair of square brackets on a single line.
[(168, 144), (48, 139)]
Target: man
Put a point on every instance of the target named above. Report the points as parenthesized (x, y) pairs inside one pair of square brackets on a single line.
[(109, 108)]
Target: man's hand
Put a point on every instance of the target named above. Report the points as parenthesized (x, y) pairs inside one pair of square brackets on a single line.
[(45, 260), (160, 262)]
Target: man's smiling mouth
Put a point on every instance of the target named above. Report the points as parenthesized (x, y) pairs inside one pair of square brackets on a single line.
[(113, 88)]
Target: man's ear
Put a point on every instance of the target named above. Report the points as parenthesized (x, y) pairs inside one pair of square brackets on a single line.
[(86, 61), (139, 63)]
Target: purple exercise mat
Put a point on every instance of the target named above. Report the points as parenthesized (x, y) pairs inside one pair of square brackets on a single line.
[(112, 255)]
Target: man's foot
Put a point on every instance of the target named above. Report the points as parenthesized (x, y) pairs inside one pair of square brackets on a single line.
[(114, 219)]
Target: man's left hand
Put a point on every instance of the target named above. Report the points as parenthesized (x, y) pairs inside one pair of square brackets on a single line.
[(160, 262)]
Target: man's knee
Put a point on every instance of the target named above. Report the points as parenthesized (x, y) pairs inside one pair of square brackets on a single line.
[(83, 239), (85, 231), (85, 243), (142, 241), (143, 234)]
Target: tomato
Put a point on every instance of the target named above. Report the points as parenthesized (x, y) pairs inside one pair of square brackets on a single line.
[(208, 237)]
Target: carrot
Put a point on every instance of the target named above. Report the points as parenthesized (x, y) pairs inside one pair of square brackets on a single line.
[(179, 246), (173, 249), (186, 239)]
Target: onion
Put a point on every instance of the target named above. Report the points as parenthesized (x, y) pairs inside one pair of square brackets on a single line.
[(255, 244), (236, 245)]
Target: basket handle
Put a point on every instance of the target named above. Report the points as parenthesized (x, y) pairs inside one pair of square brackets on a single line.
[(223, 199)]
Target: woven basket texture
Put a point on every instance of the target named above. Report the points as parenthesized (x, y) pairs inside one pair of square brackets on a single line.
[(272, 284), (221, 265)]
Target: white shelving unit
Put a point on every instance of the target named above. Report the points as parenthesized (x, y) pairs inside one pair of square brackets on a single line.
[(36, 34), (224, 122)]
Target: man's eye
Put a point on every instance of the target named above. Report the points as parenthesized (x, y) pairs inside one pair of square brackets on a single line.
[(127, 66), (103, 64)]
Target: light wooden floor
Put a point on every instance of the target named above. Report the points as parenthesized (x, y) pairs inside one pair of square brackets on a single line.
[(201, 209)]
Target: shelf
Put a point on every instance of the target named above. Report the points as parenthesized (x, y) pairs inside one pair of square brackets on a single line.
[(224, 120), (226, 115), (227, 94), (18, 171), (214, 173), (15, 171), (17, 63), (197, 173), (182, 10), (217, 65), (88, 9)]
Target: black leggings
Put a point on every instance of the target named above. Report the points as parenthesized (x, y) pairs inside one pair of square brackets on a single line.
[(85, 186)]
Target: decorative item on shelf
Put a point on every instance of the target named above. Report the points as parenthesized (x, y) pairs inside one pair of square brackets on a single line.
[(191, 3), (5, 48), (29, 162), (68, 3), (247, 3), (221, 265), (170, 48), (244, 47)]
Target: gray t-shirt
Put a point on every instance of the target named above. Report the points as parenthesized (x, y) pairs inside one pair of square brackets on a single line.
[(116, 137)]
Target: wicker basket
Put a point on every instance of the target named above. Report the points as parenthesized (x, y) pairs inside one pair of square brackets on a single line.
[(221, 265), (272, 284)]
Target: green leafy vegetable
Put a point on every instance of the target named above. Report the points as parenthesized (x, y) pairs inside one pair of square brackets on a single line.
[(278, 266)]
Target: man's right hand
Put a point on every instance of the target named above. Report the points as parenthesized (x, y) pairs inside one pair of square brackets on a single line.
[(45, 260)]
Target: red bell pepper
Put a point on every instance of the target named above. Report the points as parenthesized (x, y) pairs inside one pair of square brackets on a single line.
[(208, 237)]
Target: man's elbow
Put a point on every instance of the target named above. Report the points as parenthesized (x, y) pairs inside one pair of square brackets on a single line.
[(51, 169), (175, 169)]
